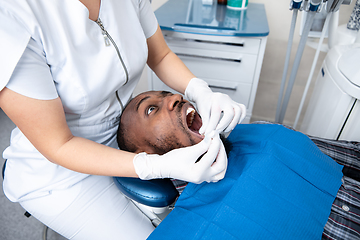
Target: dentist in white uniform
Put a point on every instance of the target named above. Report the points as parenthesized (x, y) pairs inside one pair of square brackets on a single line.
[(67, 68)]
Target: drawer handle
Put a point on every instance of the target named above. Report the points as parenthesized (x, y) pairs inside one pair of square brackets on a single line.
[(208, 57), (202, 27), (239, 44), (218, 42), (228, 86)]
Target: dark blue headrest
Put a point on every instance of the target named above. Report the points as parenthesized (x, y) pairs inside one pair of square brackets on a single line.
[(153, 193)]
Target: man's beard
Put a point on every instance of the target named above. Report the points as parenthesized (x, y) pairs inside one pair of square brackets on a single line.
[(168, 142)]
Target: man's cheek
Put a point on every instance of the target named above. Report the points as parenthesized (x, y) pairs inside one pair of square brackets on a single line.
[(158, 130)]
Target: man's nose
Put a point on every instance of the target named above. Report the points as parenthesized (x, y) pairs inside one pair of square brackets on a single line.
[(173, 100)]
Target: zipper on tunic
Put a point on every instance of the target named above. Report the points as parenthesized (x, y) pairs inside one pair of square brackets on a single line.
[(104, 32), (108, 39)]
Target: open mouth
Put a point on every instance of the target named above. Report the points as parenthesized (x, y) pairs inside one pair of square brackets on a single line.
[(193, 120)]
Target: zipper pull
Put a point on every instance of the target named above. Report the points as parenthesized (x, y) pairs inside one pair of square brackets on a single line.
[(106, 39), (104, 32)]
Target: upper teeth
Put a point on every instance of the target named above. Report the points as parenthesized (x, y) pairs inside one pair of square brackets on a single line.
[(190, 111)]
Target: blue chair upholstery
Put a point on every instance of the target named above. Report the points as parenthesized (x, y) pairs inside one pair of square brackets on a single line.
[(152, 193)]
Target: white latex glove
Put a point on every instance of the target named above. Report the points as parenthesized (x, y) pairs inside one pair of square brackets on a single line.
[(210, 106), (181, 163)]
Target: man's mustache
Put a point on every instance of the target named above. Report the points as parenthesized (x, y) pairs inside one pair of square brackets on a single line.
[(179, 106)]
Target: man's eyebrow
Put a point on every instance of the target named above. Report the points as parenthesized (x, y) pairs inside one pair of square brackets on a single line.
[(141, 101), (165, 93)]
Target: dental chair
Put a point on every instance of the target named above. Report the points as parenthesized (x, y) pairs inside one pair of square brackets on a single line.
[(155, 198)]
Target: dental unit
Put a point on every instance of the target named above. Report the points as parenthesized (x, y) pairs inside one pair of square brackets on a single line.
[(312, 7)]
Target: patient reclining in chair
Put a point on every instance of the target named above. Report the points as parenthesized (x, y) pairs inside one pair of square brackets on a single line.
[(278, 184)]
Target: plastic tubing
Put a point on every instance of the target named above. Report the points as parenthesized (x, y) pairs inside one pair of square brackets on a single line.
[(333, 25), (286, 65), (301, 47), (325, 27)]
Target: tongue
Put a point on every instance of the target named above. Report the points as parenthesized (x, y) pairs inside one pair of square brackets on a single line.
[(195, 126)]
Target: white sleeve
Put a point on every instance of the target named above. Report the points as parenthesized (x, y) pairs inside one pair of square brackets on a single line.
[(13, 41), (147, 18), (32, 76)]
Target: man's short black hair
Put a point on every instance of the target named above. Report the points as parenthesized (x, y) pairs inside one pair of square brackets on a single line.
[(123, 140)]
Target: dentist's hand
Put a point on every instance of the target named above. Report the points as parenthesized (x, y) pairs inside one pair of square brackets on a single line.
[(182, 163), (210, 105)]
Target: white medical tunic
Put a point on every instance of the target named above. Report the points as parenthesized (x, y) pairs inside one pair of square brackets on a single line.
[(52, 48)]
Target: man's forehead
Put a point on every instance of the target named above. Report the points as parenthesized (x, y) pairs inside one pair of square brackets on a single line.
[(130, 113), (141, 98)]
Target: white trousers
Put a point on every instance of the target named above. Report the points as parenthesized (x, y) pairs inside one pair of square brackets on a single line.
[(97, 210)]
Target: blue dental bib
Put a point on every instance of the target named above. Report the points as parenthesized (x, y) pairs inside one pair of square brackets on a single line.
[(278, 185)]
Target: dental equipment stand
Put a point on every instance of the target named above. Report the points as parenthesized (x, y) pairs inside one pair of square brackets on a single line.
[(330, 24), (312, 6), (327, 20), (295, 6)]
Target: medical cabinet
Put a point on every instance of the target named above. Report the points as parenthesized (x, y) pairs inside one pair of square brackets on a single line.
[(222, 46)]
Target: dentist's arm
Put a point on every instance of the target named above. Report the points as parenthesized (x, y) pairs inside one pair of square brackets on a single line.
[(43, 123), (173, 72), (166, 65)]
